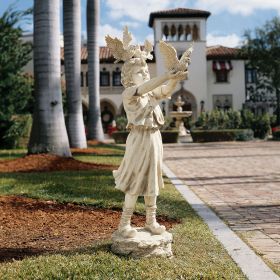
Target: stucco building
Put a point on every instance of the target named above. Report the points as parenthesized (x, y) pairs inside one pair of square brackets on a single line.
[(218, 77), (217, 73)]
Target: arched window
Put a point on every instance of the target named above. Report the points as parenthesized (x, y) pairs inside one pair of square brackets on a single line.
[(173, 32), (104, 78), (180, 32), (82, 79), (188, 33), (117, 77), (195, 33), (166, 31)]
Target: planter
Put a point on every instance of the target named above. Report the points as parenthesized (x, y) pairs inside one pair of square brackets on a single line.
[(168, 136), (276, 135), (120, 136), (222, 135)]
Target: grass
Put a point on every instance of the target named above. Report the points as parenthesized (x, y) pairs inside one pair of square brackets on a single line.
[(197, 254)]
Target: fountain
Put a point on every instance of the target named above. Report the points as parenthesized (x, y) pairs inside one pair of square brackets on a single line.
[(179, 115)]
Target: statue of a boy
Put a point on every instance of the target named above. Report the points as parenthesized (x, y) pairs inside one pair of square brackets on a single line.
[(140, 173)]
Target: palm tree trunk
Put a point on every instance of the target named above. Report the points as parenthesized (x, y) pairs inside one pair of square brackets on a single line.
[(95, 130), (72, 66), (48, 133)]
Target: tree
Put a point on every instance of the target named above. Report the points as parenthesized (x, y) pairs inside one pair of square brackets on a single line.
[(95, 130), (48, 134), (72, 64), (15, 87), (262, 50)]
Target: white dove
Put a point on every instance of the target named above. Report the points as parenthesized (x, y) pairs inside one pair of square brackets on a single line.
[(171, 61)]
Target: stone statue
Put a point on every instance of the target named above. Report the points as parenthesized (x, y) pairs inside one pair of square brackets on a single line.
[(140, 173)]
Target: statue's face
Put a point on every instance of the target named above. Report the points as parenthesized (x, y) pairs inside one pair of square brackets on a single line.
[(140, 74)]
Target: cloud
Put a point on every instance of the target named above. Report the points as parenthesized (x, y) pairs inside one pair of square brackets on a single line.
[(107, 29), (139, 10), (150, 38), (244, 7), (231, 40), (130, 24)]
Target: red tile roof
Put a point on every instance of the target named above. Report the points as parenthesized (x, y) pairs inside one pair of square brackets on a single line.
[(214, 52), (178, 13), (221, 52), (105, 55)]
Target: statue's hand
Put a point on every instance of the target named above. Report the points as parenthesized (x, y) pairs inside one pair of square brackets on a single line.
[(178, 76)]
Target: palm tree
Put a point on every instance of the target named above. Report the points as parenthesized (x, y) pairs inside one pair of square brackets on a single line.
[(95, 130), (72, 64), (48, 133)]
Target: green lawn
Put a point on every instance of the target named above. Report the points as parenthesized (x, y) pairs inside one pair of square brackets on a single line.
[(197, 254)]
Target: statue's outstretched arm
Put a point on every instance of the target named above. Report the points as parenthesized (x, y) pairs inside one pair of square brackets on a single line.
[(156, 82), (165, 91), (152, 84)]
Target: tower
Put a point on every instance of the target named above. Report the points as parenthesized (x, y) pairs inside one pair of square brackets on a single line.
[(180, 27)]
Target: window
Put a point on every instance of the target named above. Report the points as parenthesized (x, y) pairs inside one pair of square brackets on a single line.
[(250, 75), (82, 79), (104, 78), (221, 69), (117, 77), (222, 102), (86, 79), (222, 76)]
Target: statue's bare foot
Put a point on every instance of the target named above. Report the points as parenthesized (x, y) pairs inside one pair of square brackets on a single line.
[(127, 231), (155, 228)]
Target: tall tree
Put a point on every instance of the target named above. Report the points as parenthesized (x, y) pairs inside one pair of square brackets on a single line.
[(48, 134), (263, 49), (15, 87), (72, 65), (95, 130)]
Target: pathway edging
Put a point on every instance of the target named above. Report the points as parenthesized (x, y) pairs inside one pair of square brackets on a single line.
[(250, 264)]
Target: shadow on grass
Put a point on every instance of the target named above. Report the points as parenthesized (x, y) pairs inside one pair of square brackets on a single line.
[(11, 254), (96, 154), (109, 146)]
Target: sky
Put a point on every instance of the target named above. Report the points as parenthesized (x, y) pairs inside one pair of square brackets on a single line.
[(228, 21)]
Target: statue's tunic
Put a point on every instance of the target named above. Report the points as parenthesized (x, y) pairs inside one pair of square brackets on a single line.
[(140, 172)]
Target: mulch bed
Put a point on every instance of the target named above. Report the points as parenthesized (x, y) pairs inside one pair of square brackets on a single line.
[(33, 227), (48, 162)]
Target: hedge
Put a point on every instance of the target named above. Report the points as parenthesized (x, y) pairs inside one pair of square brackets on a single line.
[(222, 135), (168, 136)]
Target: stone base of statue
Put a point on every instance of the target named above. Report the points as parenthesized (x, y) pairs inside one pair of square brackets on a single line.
[(143, 245)]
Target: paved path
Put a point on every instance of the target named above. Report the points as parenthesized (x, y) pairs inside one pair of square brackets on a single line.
[(241, 182)]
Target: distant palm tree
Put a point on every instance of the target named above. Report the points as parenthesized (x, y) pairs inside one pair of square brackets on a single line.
[(72, 65), (48, 133), (95, 130)]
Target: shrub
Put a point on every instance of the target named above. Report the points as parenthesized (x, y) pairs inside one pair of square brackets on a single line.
[(261, 126), (18, 133), (234, 119), (247, 119), (121, 123)]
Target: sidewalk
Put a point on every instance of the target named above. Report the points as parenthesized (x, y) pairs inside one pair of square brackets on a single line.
[(240, 181)]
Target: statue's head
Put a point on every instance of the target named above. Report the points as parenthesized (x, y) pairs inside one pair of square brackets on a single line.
[(134, 72), (133, 56)]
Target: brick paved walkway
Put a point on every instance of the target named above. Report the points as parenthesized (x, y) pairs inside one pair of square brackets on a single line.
[(241, 182)]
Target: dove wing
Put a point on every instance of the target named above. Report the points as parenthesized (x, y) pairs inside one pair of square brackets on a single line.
[(169, 55), (127, 37), (148, 47), (116, 47), (186, 55)]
